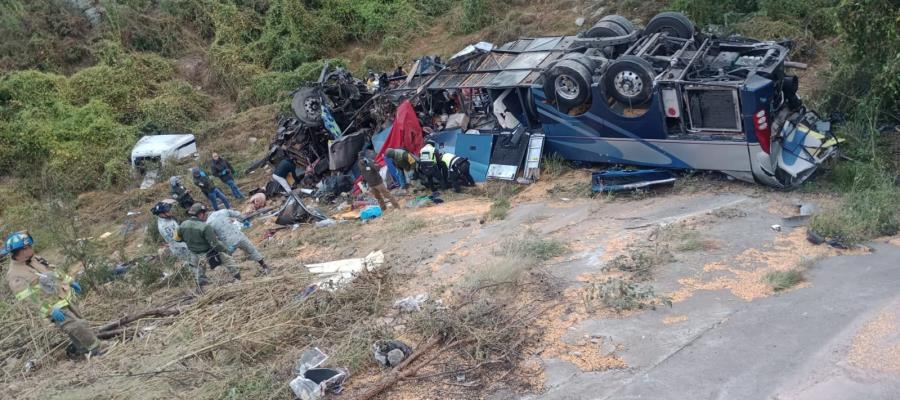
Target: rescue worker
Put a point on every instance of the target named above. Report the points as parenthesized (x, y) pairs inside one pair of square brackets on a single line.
[(230, 234), (201, 240), (430, 167), (50, 291), (457, 171), (168, 227), (208, 188), (403, 162), (369, 171), (383, 82), (181, 194), (286, 167), (398, 73), (372, 82), (222, 168)]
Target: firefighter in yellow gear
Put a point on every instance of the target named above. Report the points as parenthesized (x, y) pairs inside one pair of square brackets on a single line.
[(49, 291)]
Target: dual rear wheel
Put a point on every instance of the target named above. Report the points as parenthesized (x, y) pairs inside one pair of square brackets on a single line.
[(628, 79)]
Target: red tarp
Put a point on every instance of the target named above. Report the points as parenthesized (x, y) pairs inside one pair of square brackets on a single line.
[(406, 132)]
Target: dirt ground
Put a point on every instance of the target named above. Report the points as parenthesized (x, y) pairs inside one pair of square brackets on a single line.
[(718, 233)]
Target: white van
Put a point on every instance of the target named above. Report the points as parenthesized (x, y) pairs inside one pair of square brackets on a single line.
[(155, 150)]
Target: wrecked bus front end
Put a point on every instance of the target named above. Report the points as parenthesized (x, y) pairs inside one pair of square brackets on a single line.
[(671, 97), (800, 141)]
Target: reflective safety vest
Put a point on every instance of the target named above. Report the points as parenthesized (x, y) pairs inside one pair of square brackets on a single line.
[(40, 285), (427, 154), (449, 159)]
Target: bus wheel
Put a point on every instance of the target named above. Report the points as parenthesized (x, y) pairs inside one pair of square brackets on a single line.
[(569, 82), (307, 105), (629, 80), (675, 24), (603, 29), (620, 21)]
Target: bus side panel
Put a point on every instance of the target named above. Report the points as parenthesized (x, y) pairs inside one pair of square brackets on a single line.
[(611, 138)]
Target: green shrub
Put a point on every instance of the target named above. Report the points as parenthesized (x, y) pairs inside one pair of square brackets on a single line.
[(762, 27), (141, 29), (292, 57), (268, 88), (392, 43), (111, 52), (864, 213), (195, 13), (499, 208), (177, 108), (235, 25), (554, 166), (73, 143), (622, 295), (864, 78), (782, 280), (120, 88), (379, 62), (46, 35), (30, 88), (533, 247), (433, 8), (476, 15), (231, 71), (151, 68), (720, 12), (819, 17)]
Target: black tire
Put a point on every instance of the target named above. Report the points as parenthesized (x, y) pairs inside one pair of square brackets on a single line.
[(629, 80), (675, 24), (568, 83), (307, 106), (623, 22), (603, 29), (582, 59)]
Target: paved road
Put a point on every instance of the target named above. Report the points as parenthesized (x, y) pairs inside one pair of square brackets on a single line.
[(790, 346)]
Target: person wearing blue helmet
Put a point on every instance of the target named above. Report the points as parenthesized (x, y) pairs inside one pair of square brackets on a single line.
[(49, 291), (167, 226)]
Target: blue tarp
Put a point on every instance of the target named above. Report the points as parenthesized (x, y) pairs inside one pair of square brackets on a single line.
[(477, 148), (379, 138)]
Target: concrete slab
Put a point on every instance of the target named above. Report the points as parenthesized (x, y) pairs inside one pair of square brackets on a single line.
[(731, 349)]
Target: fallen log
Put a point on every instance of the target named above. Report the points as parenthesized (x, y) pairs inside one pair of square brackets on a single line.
[(127, 319), (109, 334)]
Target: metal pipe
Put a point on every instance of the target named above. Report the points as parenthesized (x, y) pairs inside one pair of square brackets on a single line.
[(796, 65), (700, 51)]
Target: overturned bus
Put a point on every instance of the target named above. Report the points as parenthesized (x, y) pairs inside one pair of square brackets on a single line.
[(664, 96)]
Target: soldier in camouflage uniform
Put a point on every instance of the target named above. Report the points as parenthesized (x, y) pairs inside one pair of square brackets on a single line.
[(201, 240), (224, 224)]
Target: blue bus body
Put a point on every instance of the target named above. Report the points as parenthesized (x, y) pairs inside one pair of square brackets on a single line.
[(666, 96)]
